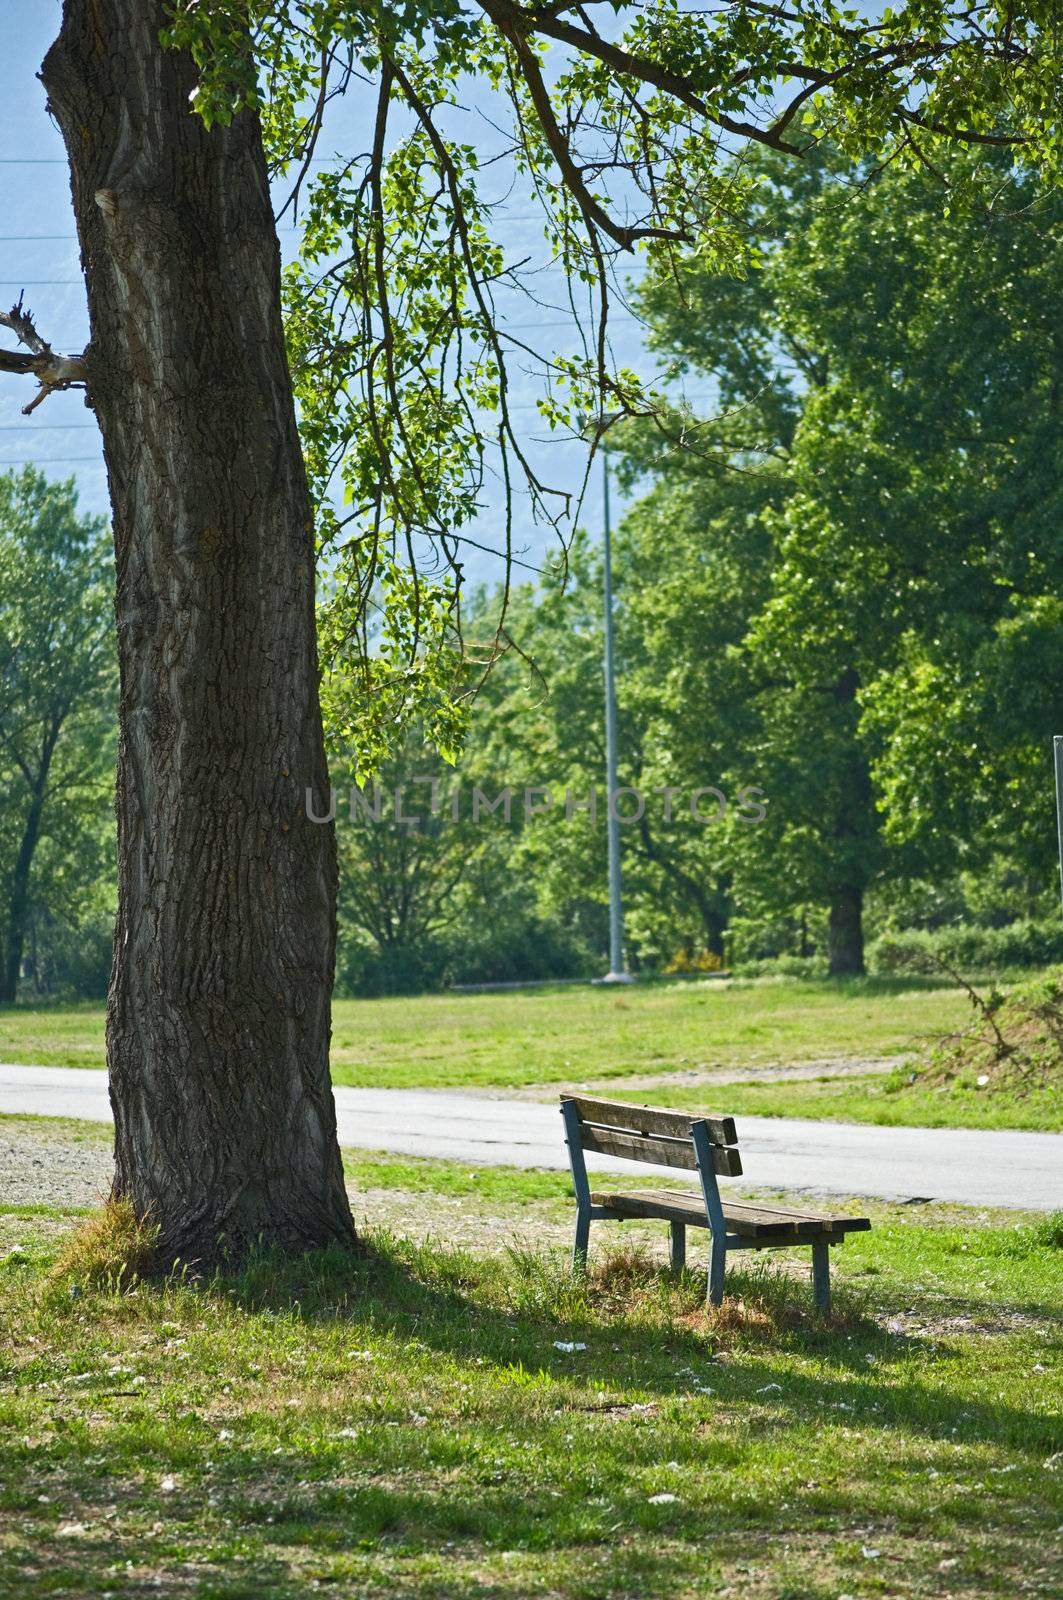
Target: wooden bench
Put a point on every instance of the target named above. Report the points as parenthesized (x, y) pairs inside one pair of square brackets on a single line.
[(707, 1146)]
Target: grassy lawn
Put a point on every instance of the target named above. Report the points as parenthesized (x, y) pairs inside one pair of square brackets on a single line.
[(888, 1100), (553, 1035), (404, 1423), (53, 1036), (544, 1037)]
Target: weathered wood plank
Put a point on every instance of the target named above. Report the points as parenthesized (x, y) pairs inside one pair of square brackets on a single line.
[(753, 1222), (633, 1147), (654, 1205), (825, 1221), (651, 1119), (758, 1225), (661, 1152)]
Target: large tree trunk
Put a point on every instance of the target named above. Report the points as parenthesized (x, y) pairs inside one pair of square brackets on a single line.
[(845, 937), (218, 1018), (18, 904)]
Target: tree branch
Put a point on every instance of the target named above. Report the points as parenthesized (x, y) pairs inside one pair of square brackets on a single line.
[(52, 371), (514, 25)]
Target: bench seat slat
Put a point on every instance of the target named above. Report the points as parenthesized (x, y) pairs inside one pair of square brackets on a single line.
[(662, 1152), (632, 1118), (828, 1220), (750, 1221), (656, 1204)]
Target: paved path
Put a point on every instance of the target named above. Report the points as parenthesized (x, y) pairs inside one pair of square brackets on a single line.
[(968, 1167)]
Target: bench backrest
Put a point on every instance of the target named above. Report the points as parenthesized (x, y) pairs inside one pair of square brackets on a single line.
[(647, 1133)]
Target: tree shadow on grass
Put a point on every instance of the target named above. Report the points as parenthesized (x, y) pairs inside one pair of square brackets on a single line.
[(654, 1337), (492, 1500)]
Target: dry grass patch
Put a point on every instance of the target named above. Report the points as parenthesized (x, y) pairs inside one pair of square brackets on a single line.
[(111, 1251)]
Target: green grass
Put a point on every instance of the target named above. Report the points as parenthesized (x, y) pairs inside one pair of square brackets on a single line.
[(53, 1036), (584, 1035), (402, 1424), (554, 1035), (888, 1100), (426, 1175)]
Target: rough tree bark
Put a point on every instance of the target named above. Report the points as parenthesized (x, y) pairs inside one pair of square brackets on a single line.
[(845, 932), (218, 1018)]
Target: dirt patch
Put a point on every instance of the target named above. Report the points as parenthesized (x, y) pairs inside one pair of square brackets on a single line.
[(708, 1073), (462, 1224), (926, 1323)]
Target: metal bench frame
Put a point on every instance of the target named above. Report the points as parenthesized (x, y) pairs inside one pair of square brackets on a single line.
[(721, 1242)]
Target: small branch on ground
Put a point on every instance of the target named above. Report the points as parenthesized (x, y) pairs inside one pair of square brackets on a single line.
[(1015, 1043)]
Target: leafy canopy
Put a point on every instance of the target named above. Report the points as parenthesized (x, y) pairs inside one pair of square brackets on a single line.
[(629, 121)]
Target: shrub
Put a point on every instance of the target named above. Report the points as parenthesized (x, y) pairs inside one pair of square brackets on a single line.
[(783, 967), (685, 961), (510, 949), (518, 950), (1014, 1045), (1019, 944)]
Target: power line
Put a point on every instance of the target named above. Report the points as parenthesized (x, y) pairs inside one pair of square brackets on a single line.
[(61, 161), (30, 238), (289, 227), (34, 461), (503, 327)]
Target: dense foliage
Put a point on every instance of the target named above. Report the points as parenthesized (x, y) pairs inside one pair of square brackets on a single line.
[(57, 707), (837, 588), (623, 121)]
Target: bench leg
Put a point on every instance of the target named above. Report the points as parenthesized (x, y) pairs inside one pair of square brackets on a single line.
[(579, 1248), (717, 1257), (821, 1274), (678, 1245)]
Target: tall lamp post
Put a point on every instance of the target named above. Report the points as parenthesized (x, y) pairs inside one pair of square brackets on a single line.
[(617, 971)]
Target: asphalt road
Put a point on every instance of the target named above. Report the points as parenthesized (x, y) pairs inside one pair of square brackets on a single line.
[(967, 1167)]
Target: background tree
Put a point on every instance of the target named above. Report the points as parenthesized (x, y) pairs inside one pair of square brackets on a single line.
[(822, 579), (768, 695), (427, 886), (57, 702), (886, 377)]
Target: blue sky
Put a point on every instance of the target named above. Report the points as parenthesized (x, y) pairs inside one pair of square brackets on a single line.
[(38, 254)]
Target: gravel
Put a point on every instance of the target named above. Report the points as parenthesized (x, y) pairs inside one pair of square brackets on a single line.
[(57, 1164), (40, 1165)]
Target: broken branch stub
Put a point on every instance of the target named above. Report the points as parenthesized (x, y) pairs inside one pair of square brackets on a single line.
[(52, 371)]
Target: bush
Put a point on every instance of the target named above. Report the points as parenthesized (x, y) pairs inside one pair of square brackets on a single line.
[(687, 961), (782, 967), (363, 971), (1020, 944), (73, 959), (518, 951), (752, 940), (511, 950)]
